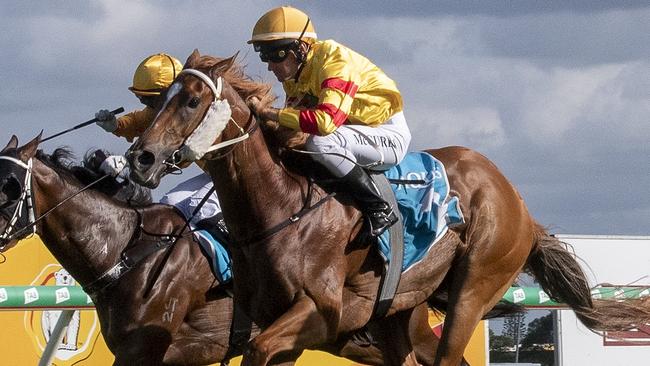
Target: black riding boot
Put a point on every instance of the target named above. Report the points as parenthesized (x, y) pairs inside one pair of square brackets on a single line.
[(365, 192)]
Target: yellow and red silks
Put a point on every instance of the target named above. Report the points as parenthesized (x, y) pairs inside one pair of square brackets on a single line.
[(349, 88)]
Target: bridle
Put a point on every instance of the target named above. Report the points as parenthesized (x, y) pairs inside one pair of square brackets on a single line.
[(26, 200), (213, 118)]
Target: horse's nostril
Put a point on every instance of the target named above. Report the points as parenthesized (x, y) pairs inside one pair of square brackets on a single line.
[(146, 159)]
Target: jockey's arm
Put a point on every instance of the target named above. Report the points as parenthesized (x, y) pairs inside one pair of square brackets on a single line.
[(133, 124), (338, 81)]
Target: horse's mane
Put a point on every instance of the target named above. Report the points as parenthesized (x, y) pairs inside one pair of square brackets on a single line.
[(61, 161), (278, 138), (235, 76)]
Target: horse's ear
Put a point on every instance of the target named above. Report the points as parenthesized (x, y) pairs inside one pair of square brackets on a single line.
[(13, 143), (29, 150), (222, 66), (192, 59)]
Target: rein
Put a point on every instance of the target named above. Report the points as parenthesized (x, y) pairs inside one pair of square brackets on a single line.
[(252, 127)]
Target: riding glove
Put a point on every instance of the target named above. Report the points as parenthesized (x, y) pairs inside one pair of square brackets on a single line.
[(113, 165), (106, 120)]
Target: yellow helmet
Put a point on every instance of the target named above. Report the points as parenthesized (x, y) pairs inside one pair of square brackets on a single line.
[(154, 74), (283, 22)]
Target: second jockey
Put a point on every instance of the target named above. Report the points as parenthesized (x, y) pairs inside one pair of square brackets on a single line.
[(152, 77)]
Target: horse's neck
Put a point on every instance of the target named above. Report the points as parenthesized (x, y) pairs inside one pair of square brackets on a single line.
[(254, 190), (87, 233)]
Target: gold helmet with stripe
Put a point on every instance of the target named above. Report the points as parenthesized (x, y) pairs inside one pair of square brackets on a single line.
[(155, 74), (283, 23)]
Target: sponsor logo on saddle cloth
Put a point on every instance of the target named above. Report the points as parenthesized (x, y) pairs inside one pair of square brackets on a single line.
[(427, 209), (80, 337)]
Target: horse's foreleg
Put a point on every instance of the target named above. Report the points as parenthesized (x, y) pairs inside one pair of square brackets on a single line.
[(394, 339), (301, 326)]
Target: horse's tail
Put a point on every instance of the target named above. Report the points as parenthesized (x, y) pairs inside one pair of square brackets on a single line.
[(562, 278)]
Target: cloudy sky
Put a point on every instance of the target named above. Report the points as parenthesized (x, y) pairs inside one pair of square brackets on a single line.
[(556, 93)]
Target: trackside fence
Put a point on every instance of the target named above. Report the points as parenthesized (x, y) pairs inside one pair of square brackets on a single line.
[(68, 299)]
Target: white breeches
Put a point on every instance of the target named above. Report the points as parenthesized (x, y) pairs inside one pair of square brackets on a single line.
[(362, 144), (187, 195)]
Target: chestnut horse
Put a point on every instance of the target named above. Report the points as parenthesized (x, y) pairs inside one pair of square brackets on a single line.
[(169, 308), (303, 271)]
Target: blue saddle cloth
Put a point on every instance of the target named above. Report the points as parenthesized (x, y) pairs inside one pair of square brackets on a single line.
[(427, 209), (216, 254)]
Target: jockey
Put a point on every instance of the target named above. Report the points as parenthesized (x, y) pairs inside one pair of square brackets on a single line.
[(152, 77), (351, 109), (154, 74)]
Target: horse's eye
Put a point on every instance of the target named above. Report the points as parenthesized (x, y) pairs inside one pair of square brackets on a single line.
[(194, 102), (12, 189)]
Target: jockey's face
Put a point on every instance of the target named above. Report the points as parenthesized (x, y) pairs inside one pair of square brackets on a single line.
[(151, 101), (285, 69)]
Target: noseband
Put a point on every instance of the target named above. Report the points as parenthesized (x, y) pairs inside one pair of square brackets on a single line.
[(25, 200)]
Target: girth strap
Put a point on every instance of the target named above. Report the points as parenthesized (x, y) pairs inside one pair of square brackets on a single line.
[(393, 271)]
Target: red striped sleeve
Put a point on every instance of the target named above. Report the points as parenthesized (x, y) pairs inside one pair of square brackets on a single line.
[(309, 124), (347, 87), (338, 116)]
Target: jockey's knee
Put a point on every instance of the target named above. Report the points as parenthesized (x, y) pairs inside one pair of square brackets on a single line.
[(322, 144)]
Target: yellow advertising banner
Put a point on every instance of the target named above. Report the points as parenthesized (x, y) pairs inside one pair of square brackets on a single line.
[(24, 334)]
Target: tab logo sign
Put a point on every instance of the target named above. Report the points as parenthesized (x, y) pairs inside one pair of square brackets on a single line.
[(31, 295), (81, 335), (62, 294)]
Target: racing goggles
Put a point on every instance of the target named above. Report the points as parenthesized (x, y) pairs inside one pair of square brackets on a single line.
[(274, 55), (276, 51)]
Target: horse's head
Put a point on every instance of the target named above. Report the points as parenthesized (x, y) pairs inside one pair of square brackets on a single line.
[(200, 105), (15, 196)]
